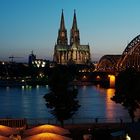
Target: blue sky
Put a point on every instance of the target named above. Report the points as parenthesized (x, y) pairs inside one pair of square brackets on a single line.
[(107, 25)]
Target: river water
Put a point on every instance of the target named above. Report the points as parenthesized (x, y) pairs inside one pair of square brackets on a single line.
[(28, 102)]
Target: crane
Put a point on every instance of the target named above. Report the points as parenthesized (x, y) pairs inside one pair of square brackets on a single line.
[(12, 58)]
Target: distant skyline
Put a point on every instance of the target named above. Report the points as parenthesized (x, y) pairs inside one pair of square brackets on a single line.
[(26, 25)]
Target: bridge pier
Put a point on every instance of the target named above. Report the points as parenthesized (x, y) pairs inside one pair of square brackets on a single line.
[(112, 81)]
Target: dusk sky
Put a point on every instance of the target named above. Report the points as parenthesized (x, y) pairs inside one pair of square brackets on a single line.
[(26, 25)]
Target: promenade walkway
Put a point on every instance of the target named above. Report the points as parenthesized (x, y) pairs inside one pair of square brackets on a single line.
[(104, 130), (98, 130)]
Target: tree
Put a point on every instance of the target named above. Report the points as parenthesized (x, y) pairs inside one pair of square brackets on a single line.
[(62, 97), (128, 90)]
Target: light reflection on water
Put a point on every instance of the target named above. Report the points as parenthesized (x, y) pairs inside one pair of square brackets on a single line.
[(28, 102), (96, 103), (110, 104)]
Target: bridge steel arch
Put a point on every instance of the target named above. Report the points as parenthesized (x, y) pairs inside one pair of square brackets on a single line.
[(108, 63), (130, 56)]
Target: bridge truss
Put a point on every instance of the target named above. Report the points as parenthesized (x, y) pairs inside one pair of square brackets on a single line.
[(108, 63), (131, 56)]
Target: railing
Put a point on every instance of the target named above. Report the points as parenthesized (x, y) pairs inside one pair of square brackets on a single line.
[(34, 122), (14, 122)]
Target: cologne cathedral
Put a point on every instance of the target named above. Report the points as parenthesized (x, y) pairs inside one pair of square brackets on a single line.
[(73, 52)]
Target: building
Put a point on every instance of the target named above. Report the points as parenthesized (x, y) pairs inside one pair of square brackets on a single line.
[(73, 52), (31, 58), (33, 61)]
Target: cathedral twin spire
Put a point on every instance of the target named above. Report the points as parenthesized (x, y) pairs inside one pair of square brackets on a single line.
[(62, 24), (74, 36), (62, 33)]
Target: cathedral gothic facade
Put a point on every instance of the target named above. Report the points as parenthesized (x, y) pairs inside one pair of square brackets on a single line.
[(73, 52)]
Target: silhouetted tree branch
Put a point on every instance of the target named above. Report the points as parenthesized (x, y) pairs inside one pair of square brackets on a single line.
[(128, 90)]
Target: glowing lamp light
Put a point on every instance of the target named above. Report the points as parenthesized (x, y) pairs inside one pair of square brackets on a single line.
[(39, 62), (37, 86), (98, 77), (112, 80), (23, 87), (127, 137), (35, 62), (84, 77), (43, 63)]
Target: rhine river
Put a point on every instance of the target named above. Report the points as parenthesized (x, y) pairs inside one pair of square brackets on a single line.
[(29, 103)]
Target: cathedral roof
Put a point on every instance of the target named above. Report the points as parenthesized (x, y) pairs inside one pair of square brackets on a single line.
[(62, 47), (73, 47), (83, 47)]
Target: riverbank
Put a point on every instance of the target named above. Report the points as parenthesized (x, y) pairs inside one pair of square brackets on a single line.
[(96, 130), (109, 131)]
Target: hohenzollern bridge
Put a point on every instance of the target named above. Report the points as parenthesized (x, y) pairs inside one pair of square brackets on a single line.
[(129, 58)]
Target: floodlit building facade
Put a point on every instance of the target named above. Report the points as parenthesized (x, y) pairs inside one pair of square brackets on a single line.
[(73, 52)]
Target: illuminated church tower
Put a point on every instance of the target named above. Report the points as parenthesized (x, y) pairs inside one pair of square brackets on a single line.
[(62, 33), (74, 35), (75, 53)]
